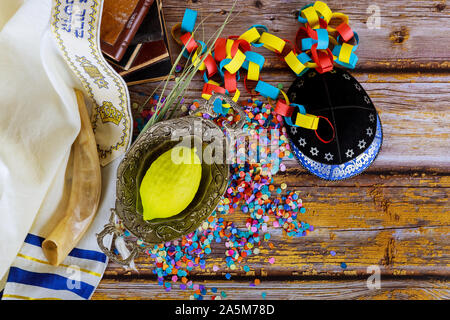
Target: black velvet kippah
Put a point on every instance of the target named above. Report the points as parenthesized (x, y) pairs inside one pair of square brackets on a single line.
[(341, 99)]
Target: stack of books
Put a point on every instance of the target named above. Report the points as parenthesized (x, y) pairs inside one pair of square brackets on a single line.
[(134, 40)]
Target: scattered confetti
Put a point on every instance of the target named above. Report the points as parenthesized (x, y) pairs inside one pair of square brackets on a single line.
[(251, 190)]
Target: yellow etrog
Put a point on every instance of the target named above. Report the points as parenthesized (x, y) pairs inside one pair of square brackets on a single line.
[(171, 182)]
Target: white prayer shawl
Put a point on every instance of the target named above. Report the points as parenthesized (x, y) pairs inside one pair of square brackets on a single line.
[(39, 121)]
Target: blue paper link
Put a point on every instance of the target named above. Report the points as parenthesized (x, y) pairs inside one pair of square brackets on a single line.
[(322, 40), (300, 108), (189, 20), (201, 44), (300, 18), (355, 35), (258, 26), (352, 62), (267, 90), (222, 64), (253, 57), (219, 109)]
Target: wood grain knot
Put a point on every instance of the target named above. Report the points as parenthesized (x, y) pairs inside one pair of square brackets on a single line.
[(399, 36), (389, 253), (440, 7), (258, 4)]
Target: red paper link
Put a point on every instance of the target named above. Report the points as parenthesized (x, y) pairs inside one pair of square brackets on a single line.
[(211, 65), (251, 92), (209, 88), (287, 48), (220, 49), (332, 127), (323, 59), (230, 81), (240, 44), (345, 31), (189, 42), (283, 109)]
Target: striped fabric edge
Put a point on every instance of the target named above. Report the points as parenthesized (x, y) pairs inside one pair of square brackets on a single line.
[(90, 270), (76, 252), (50, 281), (21, 291), (86, 266)]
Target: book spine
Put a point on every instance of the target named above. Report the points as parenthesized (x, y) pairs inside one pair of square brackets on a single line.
[(133, 24)]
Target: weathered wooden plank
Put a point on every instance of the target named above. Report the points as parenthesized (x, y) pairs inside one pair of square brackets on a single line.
[(398, 289), (403, 230), (408, 35), (413, 109), (295, 176)]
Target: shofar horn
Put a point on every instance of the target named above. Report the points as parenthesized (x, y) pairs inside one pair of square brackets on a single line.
[(84, 195)]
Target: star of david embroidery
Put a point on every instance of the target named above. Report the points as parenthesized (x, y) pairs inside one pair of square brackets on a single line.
[(349, 153), (367, 99), (302, 142), (314, 151), (328, 156), (362, 144), (346, 76), (369, 132), (294, 130), (371, 117)]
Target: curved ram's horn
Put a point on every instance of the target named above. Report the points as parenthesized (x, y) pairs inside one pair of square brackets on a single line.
[(84, 195)]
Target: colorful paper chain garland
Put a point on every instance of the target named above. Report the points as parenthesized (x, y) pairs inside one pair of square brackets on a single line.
[(312, 50)]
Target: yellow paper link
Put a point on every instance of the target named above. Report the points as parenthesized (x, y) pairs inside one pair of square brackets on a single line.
[(311, 65), (237, 94), (196, 60), (236, 63), (310, 14), (323, 9), (307, 121), (293, 62), (235, 98), (228, 46), (285, 97), (271, 42), (345, 53), (208, 96), (174, 31), (251, 35), (339, 16), (253, 71)]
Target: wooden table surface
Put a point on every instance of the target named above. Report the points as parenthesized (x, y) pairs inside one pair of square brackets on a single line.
[(395, 215)]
